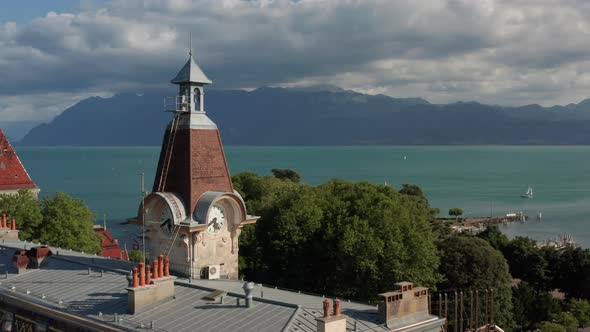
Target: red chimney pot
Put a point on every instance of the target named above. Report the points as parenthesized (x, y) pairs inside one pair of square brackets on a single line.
[(135, 280), (155, 268), (336, 307), (141, 274), (148, 275), (161, 266), (326, 308), (167, 267)]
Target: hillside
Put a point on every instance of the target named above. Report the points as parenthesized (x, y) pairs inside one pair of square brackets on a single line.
[(278, 116)]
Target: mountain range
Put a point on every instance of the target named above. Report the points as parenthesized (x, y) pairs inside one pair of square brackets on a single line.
[(316, 116)]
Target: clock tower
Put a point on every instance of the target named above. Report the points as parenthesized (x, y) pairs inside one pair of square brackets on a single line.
[(193, 215)]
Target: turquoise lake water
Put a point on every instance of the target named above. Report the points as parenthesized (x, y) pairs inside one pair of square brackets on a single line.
[(478, 179)]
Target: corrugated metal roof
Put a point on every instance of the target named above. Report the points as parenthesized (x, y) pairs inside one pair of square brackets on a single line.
[(66, 279)]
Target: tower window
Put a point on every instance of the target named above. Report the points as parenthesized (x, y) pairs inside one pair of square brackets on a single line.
[(197, 92)]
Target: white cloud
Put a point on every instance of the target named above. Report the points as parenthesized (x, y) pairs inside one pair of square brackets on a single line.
[(494, 51)]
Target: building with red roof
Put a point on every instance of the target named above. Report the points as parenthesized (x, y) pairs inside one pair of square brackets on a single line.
[(110, 246), (13, 176)]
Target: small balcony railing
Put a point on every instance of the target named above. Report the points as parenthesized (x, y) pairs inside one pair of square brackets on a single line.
[(177, 104)]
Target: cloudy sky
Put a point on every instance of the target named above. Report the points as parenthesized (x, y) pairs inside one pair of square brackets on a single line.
[(508, 52)]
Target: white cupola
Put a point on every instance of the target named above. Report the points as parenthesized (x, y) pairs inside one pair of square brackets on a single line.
[(191, 81)]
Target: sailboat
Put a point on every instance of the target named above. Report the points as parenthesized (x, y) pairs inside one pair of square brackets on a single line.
[(528, 194)]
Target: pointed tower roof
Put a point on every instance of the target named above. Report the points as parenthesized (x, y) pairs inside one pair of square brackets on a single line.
[(13, 175), (191, 73)]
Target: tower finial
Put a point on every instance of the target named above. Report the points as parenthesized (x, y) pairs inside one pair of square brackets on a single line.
[(190, 49)]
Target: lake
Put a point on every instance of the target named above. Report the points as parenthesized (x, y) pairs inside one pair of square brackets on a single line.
[(479, 179)]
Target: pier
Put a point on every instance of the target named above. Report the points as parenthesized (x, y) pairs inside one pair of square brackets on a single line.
[(475, 225)]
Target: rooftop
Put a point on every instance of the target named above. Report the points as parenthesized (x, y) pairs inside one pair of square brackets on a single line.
[(13, 175), (93, 288), (110, 245)]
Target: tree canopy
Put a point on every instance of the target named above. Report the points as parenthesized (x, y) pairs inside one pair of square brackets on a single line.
[(24, 208), (532, 307), (471, 263), (581, 311), (350, 239), (284, 173), (68, 223), (456, 212)]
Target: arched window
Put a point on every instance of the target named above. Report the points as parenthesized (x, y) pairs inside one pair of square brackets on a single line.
[(197, 92)]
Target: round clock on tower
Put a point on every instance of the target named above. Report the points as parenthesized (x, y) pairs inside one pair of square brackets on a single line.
[(193, 215), (216, 220)]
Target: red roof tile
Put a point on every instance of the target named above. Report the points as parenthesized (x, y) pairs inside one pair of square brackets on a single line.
[(12, 173), (110, 246)]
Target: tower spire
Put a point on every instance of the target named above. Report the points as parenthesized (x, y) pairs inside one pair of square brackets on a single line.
[(190, 47)]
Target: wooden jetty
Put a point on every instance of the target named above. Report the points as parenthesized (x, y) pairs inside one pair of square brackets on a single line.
[(475, 225)]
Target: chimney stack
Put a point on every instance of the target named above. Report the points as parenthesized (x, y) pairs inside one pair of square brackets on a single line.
[(147, 291), (336, 323), (21, 260), (8, 230), (405, 301)]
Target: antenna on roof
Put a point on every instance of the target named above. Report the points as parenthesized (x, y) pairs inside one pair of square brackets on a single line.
[(190, 47), (104, 221)]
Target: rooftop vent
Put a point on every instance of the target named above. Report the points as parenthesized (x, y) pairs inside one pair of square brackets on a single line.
[(249, 290)]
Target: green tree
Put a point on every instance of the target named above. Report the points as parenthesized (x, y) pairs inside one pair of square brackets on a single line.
[(581, 310), (412, 190), (567, 320), (455, 212), (284, 173), (68, 223), (24, 208), (575, 281), (469, 263), (353, 240), (527, 262), (136, 256), (546, 326), (495, 238), (532, 307)]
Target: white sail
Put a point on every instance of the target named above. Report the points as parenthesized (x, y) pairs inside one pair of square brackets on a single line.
[(529, 193)]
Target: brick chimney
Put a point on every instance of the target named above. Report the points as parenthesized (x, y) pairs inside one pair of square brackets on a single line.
[(8, 230), (405, 301), (33, 258), (334, 323), (148, 290)]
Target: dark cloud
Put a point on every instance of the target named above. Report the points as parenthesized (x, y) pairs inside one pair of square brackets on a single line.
[(496, 51)]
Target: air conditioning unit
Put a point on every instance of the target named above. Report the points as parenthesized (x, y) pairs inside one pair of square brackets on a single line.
[(213, 271)]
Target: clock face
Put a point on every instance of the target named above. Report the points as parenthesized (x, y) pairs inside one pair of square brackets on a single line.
[(216, 220), (166, 222)]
